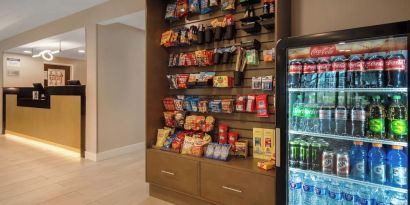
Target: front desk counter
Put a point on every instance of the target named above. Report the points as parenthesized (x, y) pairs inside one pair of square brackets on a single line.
[(58, 118)]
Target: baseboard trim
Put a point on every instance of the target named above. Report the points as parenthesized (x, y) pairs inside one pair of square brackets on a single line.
[(115, 152)]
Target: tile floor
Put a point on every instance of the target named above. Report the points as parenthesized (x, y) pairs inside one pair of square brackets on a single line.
[(31, 175)]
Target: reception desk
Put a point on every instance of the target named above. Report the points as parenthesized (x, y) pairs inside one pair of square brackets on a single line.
[(58, 118)]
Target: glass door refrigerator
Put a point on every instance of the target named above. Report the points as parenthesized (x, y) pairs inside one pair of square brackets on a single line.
[(342, 117)]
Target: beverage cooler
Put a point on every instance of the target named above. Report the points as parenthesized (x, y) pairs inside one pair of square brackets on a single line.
[(342, 114)]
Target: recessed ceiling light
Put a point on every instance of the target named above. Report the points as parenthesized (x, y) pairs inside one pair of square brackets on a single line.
[(27, 51), (81, 51)]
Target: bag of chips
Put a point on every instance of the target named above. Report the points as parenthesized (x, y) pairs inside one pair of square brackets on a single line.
[(182, 8), (172, 81), (161, 137), (223, 133), (166, 38), (240, 103), (188, 145), (168, 141), (198, 122), (189, 120), (203, 106), (250, 103), (208, 126), (183, 37), (179, 119), (178, 141), (205, 8), (228, 5), (198, 148), (227, 105), (169, 118), (262, 105), (170, 13), (169, 103), (209, 153), (179, 103), (182, 80), (194, 7), (232, 139), (187, 104), (215, 106), (194, 104)]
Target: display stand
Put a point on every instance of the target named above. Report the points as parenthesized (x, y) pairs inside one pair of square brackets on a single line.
[(183, 179)]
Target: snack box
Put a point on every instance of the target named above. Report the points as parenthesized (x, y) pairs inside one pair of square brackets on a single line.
[(257, 143), (222, 81), (269, 147)]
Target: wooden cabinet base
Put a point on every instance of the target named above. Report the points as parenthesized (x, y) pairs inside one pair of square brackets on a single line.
[(175, 197)]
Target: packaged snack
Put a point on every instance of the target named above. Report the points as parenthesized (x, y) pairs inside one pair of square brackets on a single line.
[(207, 138), (203, 106), (241, 148), (257, 143), (256, 83), (194, 7), (252, 57), (166, 38), (193, 78), (225, 149), (188, 145), (198, 148), (210, 149), (172, 80), (179, 103), (250, 103), (178, 141), (205, 7), (193, 33), (161, 137), (266, 165), (168, 141), (218, 151), (205, 77), (198, 123), (213, 3), (169, 104), (209, 124), (240, 103), (170, 13), (262, 105), (179, 119), (223, 133), (228, 5), (174, 38), (194, 104), (187, 104), (189, 120), (222, 81), (268, 55), (269, 143), (169, 118), (267, 83), (232, 138), (182, 80), (190, 59), (209, 60), (215, 106), (183, 37), (182, 8), (171, 129), (227, 105)]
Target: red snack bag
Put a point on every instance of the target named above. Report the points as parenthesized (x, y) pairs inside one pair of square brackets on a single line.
[(169, 118), (178, 141), (182, 80), (223, 134), (232, 139), (262, 105), (169, 104), (250, 103), (240, 105), (210, 57)]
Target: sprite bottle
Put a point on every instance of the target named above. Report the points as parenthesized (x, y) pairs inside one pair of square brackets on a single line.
[(397, 120), (376, 120), (297, 113)]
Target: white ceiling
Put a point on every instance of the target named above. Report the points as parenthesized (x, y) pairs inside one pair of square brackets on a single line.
[(71, 42), (18, 16), (136, 20)]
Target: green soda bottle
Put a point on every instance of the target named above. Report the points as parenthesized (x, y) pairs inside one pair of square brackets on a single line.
[(376, 120), (397, 120)]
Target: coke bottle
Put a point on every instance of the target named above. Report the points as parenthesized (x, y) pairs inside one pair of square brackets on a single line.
[(396, 70), (323, 67), (374, 71), (339, 65), (358, 118), (295, 73), (355, 70), (309, 78), (341, 116), (376, 120)]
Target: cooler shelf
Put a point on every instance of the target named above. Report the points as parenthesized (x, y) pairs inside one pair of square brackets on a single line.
[(350, 138), (354, 90), (349, 180)]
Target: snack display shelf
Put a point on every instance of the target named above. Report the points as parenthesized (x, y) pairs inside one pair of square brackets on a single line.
[(354, 90), (350, 138), (349, 180)]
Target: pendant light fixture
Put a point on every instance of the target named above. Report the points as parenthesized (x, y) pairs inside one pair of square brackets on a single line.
[(47, 55)]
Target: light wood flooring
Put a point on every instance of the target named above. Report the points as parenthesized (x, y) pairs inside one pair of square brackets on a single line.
[(30, 175)]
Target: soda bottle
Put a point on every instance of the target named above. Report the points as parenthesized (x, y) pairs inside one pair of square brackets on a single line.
[(355, 70), (323, 67), (320, 192), (397, 166), (326, 116), (316, 155), (397, 198), (348, 194), (358, 158), (295, 188), (358, 118), (295, 73), (380, 197), (374, 76), (297, 113), (294, 151), (309, 78), (341, 115), (311, 115), (364, 196), (377, 164), (339, 65), (376, 120), (335, 196), (307, 190), (304, 155), (397, 120), (342, 164), (396, 69)]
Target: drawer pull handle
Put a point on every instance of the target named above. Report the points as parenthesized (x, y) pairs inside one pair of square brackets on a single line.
[(169, 173), (232, 189)]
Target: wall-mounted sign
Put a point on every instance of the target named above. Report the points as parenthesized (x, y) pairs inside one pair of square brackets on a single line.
[(56, 77), (13, 72), (13, 62)]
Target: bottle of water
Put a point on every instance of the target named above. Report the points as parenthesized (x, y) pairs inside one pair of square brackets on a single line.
[(364, 196), (398, 199), (320, 192), (335, 195), (380, 198), (311, 115), (295, 188), (307, 190), (349, 194)]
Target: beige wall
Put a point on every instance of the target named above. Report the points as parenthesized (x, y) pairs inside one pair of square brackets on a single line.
[(316, 16), (32, 70), (121, 86), (88, 19)]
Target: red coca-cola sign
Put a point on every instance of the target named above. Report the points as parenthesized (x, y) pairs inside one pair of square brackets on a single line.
[(375, 65), (321, 51), (356, 66), (339, 66), (323, 67), (309, 68), (395, 64), (295, 69)]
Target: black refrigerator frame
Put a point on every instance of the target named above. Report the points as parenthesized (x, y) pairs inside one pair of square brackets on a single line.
[(384, 30)]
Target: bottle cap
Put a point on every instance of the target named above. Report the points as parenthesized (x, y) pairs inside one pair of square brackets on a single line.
[(377, 145), (396, 97), (376, 97), (300, 96), (358, 143), (398, 147)]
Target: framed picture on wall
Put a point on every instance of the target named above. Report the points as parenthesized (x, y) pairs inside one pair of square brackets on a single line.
[(56, 77)]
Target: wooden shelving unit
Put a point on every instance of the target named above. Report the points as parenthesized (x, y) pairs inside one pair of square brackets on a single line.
[(163, 176)]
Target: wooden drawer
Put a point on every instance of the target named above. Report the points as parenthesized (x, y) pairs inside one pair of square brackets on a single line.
[(172, 171), (234, 187)]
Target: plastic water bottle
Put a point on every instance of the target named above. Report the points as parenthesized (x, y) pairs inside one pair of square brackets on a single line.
[(320, 192), (295, 189), (307, 190), (348, 194), (377, 164), (381, 198), (335, 195), (397, 166), (398, 199), (364, 196), (311, 115), (358, 157)]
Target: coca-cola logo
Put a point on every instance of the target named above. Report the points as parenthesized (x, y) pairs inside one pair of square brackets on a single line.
[(396, 64), (339, 66), (376, 65), (295, 69), (309, 68), (356, 66), (324, 67), (320, 51)]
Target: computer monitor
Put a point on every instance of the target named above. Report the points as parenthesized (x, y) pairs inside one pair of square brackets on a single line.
[(73, 82)]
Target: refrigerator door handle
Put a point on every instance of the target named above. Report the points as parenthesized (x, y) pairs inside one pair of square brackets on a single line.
[(278, 145)]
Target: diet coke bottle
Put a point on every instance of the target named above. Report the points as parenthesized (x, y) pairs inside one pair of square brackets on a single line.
[(374, 71), (396, 69)]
